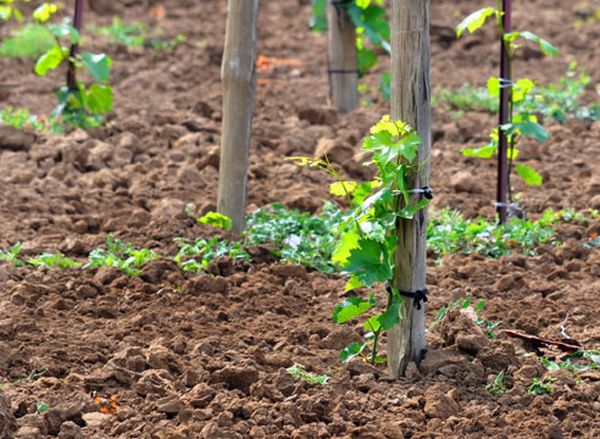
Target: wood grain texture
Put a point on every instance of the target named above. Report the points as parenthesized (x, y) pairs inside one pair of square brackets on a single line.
[(238, 75), (342, 58), (411, 83)]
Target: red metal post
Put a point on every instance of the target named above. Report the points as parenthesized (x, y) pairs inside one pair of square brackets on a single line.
[(505, 95), (77, 24)]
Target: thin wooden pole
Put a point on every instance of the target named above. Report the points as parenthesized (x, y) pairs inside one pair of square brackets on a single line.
[(77, 24), (238, 74), (343, 70), (505, 75), (411, 92)]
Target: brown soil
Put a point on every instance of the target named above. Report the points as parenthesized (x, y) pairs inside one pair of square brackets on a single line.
[(205, 356)]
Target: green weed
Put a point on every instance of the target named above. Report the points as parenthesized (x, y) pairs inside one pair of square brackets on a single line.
[(21, 118), (540, 386), (29, 41), (12, 255), (120, 255), (195, 256), (135, 34), (53, 260), (298, 371)]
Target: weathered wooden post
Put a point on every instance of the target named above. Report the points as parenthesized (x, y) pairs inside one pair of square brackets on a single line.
[(238, 75), (411, 94), (343, 70)]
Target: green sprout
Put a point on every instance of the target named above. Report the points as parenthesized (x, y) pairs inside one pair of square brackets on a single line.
[(120, 255), (540, 386), (497, 387)]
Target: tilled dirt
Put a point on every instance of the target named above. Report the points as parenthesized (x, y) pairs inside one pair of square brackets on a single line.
[(205, 356)]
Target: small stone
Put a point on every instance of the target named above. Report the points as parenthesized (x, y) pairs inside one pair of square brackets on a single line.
[(169, 405), (28, 433), (70, 430), (94, 419)]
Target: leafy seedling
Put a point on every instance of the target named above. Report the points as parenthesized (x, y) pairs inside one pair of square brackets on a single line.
[(299, 371), (41, 408), (120, 255), (79, 105), (195, 256), (541, 386), (53, 260), (497, 387)]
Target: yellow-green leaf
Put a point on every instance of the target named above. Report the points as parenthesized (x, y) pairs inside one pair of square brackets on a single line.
[(342, 188)]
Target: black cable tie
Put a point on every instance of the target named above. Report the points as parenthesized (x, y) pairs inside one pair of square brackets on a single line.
[(342, 72), (417, 296), (425, 190)]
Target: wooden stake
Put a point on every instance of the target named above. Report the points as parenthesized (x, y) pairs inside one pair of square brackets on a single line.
[(343, 70), (505, 96), (411, 92), (238, 75)]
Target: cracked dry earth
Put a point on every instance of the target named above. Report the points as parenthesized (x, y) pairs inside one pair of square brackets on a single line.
[(192, 356)]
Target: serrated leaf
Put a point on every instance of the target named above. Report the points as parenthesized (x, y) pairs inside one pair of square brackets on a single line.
[(351, 307), (369, 262), (347, 243), (98, 65), (485, 152), (529, 175), (352, 284), (49, 60), (216, 219), (342, 188), (474, 21)]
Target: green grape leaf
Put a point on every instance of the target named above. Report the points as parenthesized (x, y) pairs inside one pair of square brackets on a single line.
[(342, 188), (409, 211), (545, 46), (529, 175), (351, 351), (521, 89), (369, 262), (43, 12), (98, 64), (474, 21), (493, 86), (351, 307), (387, 319), (64, 30), (347, 242), (527, 128), (50, 60), (365, 59), (352, 284), (485, 152), (99, 99)]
